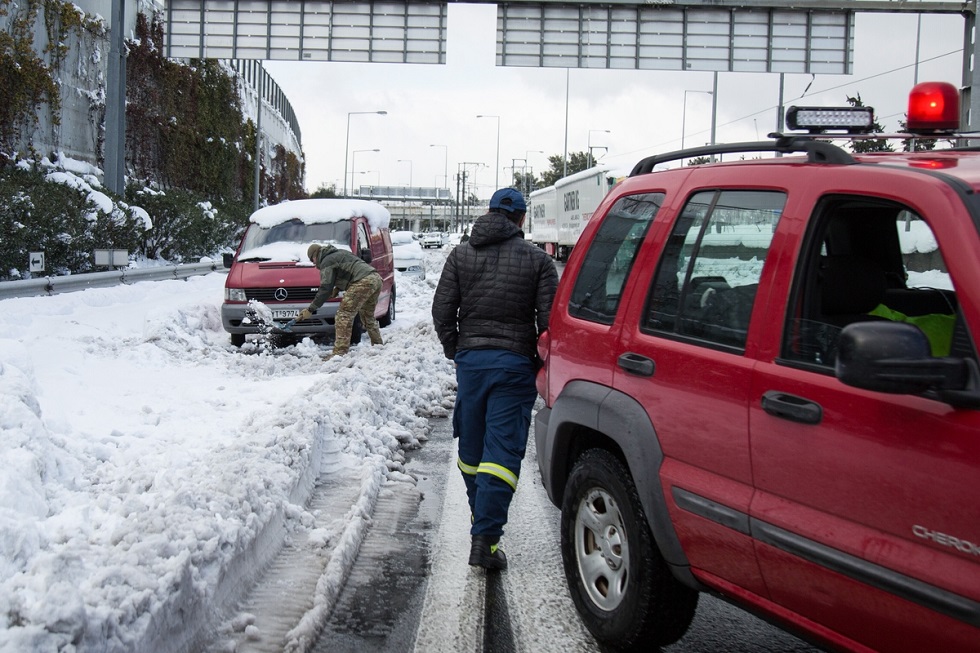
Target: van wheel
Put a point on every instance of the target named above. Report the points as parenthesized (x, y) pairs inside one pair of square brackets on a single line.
[(620, 584), (389, 317), (237, 339)]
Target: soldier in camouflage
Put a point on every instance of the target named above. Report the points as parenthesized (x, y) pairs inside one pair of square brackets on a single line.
[(342, 271)]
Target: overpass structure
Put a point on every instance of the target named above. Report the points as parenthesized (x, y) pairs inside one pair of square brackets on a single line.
[(802, 36), (798, 36)]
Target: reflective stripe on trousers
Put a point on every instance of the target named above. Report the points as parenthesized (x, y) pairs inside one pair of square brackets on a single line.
[(494, 398)]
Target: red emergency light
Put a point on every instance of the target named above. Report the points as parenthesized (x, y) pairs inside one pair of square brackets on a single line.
[(933, 107)]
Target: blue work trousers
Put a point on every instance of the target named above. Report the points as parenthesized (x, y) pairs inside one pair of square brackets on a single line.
[(494, 398)]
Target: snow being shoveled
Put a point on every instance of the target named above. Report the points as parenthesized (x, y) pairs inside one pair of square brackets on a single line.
[(150, 469)]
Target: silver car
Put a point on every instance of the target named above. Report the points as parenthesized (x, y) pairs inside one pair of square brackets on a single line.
[(409, 257)]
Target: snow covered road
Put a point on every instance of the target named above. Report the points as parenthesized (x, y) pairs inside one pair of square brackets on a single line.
[(150, 469), (150, 473)]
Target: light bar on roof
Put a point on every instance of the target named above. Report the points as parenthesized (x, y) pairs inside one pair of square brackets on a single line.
[(853, 120)]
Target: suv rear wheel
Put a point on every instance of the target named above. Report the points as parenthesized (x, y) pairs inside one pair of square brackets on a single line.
[(621, 585)]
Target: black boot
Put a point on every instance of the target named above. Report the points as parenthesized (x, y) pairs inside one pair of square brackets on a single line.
[(485, 553)]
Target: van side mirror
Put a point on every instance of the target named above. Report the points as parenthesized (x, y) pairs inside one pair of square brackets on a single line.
[(895, 357), (366, 255), (226, 259)]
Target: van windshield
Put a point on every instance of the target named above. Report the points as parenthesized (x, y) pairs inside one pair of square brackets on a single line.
[(297, 231)]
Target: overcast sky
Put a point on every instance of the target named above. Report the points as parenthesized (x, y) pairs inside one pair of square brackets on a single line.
[(642, 110)]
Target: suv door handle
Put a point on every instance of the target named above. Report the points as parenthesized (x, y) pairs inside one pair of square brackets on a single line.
[(636, 364), (796, 409)]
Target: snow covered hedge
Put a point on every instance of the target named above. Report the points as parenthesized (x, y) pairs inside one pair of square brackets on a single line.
[(59, 208)]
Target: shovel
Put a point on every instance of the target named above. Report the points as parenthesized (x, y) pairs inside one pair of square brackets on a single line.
[(284, 328)]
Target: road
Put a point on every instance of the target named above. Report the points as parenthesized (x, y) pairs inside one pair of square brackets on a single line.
[(411, 590)]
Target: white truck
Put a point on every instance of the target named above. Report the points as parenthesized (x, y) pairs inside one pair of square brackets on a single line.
[(559, 213)]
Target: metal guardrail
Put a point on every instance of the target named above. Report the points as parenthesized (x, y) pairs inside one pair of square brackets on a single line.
[(75, 282)]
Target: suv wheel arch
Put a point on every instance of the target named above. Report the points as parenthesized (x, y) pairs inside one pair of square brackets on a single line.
[(592, 416)]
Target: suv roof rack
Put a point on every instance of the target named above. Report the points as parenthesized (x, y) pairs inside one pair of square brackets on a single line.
[(817, 151)]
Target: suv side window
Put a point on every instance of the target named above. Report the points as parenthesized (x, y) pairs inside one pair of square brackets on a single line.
[(869, 259), (709, 271), (609, 259)]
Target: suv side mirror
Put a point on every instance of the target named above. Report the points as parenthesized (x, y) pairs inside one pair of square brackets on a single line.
[(895, 357), (366, 255), (226, 259)]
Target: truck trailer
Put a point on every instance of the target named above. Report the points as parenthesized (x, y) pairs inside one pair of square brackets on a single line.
[(559, 213)]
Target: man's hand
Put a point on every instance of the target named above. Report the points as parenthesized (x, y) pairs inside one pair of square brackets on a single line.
[(303, 315), (449, 351)]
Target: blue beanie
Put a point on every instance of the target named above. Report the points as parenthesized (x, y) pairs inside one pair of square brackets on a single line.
[(509, 200)]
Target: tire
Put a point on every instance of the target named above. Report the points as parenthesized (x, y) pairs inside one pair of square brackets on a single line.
[(389, 316), (621, 585), (237, 339)]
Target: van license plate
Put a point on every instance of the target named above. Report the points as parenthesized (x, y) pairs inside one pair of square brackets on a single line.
[(283, 315)]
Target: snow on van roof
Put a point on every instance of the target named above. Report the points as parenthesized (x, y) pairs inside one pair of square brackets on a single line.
[(316, 211)]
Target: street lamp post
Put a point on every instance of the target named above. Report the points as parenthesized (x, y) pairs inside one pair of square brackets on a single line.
[(513, 169), (496, 172), (445, 176), (367, 172), (353, 167), (593, 131), (347, 143), (409, 161), (445, 163)]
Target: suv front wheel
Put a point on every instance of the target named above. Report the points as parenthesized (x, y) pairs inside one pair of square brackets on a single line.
[(621, 585)]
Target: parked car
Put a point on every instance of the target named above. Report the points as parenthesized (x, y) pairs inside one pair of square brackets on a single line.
[(409, 257), (761, 381), (433, 239), (270, 278)]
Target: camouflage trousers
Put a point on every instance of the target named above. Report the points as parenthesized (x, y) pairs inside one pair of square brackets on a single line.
[(360, 298)]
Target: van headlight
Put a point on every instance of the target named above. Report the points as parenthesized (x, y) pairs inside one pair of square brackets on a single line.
[(234, 294)]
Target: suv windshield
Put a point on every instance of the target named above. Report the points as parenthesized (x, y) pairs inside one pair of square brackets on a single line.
[(297, 231)]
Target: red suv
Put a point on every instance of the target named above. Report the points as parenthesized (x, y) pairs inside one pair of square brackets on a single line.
[(779, 402)]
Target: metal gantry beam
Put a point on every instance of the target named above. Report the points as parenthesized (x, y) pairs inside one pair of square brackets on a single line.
[(672, 37), (803, 36), (307, 30), (798, 36)]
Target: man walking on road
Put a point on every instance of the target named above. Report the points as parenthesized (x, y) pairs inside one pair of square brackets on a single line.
[(340, 270), (492, 302)]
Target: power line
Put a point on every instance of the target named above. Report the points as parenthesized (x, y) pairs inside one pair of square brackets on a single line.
[(820, 92)]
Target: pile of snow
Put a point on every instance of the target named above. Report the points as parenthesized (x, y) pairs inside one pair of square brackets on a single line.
[(145, 458)]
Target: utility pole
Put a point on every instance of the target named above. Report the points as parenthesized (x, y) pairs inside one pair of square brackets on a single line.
[(115, 102)]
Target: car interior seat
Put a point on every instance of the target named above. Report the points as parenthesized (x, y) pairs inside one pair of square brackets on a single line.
[(849, 286)]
